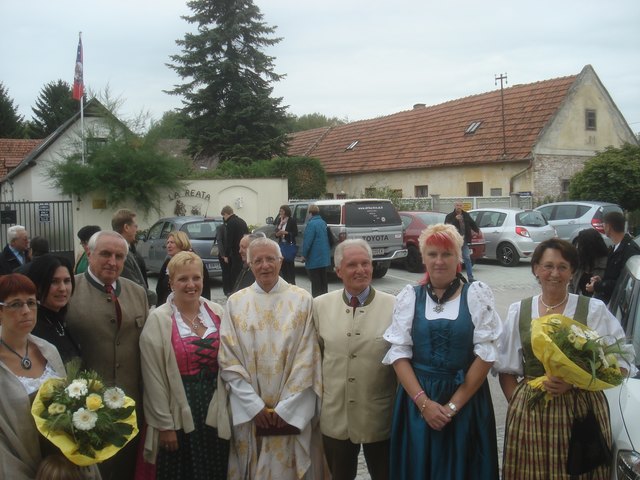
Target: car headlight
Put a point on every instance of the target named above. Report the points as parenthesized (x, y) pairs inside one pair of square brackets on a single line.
[(628, 465)]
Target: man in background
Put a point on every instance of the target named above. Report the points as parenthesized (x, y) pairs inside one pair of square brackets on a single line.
[(464, 224), (16, 252), (623, 249), (124, 222), (235, 229)]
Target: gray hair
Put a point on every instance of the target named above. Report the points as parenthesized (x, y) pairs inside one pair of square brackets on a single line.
[(12, 232), (93, 241), (263, 242), (353, 242)]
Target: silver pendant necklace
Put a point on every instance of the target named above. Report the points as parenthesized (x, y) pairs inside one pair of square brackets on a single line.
[(195, 322), (25, 362)]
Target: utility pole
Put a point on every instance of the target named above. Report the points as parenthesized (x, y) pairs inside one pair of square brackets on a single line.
[(503, 78)]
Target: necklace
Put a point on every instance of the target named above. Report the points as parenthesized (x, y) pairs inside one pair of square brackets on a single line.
[(195, 321), (58, 326), (25, 362), (448, 293), (551, 307)]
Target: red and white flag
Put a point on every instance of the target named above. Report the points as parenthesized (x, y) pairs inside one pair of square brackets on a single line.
[(78, 83)]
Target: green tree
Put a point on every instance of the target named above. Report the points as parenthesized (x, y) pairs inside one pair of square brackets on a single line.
[(311, 120), (11, 124), (610, 176), (124, 167), (227, 94), (171, 125), (54, 106)]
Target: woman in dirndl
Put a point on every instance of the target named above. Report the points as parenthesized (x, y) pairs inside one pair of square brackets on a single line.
[(179, 346), (537, 437), (442, 337)]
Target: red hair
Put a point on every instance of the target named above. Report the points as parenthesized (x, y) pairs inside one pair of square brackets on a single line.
[(14, 284)]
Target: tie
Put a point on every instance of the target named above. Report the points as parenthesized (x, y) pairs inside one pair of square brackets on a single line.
[(355, 303), (114, 298)]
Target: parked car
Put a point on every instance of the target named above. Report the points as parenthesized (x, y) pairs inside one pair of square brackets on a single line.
[(511, 233), (202, 234), (374, 220), (414, 223), (570, 218), (624, 401)]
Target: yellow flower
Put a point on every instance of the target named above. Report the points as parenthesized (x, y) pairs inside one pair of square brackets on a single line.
[(56, 408), (94, 402), (49, 388), (96, 385)]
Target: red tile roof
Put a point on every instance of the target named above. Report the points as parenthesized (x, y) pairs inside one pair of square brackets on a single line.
[(435, 136), (13, 151)]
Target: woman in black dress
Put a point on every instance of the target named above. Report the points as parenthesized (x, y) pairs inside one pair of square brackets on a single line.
[(54, 281)]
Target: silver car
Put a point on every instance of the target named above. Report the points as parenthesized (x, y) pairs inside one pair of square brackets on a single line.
[(201, 232), (511, 233), (624, 401), (570, 218)]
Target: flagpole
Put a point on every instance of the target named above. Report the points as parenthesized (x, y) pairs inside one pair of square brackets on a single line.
[(82, 105)]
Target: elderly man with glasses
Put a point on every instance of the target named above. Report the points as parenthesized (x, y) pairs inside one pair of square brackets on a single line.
[(270, 361)]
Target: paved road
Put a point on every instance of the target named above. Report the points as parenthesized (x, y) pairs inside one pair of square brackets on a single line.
[(508, 284)]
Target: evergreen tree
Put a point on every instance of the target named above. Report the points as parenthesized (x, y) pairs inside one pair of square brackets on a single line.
[(54, 106), (227, 94), (11, 124)]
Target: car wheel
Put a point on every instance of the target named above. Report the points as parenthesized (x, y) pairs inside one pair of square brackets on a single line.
[(380, 269), (413, 261), (507, 255)]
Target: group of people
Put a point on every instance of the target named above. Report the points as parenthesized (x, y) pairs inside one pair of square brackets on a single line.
[(283, 384)]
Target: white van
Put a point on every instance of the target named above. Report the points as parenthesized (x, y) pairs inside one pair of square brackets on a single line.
[(375, 220)]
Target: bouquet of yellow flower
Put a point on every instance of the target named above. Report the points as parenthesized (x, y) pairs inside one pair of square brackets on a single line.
[(575, 353), (88, 422)]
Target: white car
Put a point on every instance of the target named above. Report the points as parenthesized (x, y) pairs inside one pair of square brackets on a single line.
[(624, 401), (511, 233)]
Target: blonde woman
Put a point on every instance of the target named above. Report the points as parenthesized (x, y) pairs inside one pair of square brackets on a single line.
[(178, 242), (179, 349)]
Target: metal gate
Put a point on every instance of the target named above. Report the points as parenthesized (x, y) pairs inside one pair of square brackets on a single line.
[(51, 220)]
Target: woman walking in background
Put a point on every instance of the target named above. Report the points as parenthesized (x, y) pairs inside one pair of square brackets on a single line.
[(592, 260), (286, 233)]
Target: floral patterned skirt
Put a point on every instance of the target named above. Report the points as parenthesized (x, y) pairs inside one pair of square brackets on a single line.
[(537, 439)]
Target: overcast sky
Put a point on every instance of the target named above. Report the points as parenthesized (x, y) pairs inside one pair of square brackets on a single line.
[(353, 59)]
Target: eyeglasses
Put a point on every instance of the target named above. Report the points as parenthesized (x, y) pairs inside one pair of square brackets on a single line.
[(549, 267), (268, 260), (19, 305)]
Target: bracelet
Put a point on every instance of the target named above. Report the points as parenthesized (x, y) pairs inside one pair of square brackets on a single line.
[(453, 407), (417, 395), (423, 406)]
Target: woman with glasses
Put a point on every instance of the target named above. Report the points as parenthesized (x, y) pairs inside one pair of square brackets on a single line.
[(26, 361), (537, 439), (54, 282)]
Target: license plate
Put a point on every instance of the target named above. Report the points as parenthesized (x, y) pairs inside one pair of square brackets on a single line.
[(377, 251), (213, 267)]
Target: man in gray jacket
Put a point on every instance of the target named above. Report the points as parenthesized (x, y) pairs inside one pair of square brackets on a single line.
[(124, 222)]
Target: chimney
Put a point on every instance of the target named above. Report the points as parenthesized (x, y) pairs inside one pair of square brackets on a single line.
[(419, 105)]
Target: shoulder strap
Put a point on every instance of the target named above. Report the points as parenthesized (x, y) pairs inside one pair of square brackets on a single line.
[(524, 320), (582, 310)]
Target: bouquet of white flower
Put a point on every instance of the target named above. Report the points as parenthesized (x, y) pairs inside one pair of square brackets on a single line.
[(86, 421)]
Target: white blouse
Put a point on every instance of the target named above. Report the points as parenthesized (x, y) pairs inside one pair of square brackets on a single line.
[(184, 329), (598, 318), (32, 385), (487, 323)]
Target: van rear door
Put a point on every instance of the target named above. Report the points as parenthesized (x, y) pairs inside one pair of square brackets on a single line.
[(377, 222)]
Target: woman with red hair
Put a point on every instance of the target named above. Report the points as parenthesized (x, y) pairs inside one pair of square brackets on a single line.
[(443, 343)]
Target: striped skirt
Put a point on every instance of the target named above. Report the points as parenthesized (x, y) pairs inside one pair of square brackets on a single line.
[(537, 439)]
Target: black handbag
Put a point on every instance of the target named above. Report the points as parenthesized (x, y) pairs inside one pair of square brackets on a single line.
[(588, 449)]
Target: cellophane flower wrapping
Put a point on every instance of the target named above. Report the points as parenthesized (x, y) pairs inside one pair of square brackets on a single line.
[(580, 356), (86, 420)]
